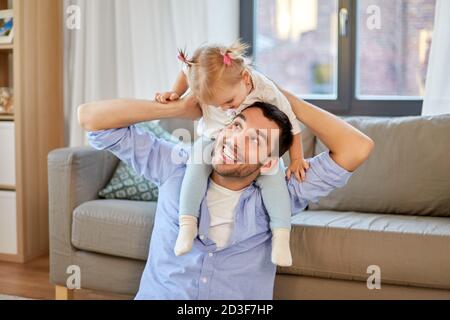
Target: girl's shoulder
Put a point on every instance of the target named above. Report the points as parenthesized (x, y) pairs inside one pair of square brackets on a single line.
[(262, 83), (260, 77)]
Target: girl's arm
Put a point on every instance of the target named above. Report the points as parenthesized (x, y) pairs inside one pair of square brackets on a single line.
[(297, 165), (179, 88), (181, 85), (112, 114), (296, 151)]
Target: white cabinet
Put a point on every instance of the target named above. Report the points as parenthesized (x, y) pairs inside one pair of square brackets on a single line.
[(8, 223), (8, 216), (7, 154)]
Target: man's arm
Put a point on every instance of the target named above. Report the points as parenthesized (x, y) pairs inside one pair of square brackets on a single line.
[(111, 126), (348, 146), (150, 157), (120, 113), (323, 176)]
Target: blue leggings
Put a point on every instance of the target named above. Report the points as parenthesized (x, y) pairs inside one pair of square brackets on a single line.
[(274, 190)]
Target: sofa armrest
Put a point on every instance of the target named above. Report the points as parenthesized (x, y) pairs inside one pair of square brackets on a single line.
[(75, 175)]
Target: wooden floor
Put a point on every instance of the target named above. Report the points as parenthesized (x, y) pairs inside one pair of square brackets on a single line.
[(31, 280)]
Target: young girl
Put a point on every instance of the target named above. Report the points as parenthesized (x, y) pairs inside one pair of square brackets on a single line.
[(224, 83)]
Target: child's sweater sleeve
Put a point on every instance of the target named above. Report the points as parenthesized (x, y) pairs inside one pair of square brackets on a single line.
[(277, 98), (269, 93)]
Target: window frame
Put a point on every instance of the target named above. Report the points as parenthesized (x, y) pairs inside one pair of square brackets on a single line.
[(346, 102)]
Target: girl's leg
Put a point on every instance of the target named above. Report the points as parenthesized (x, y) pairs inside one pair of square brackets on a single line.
[(277, 201), (192, 192)]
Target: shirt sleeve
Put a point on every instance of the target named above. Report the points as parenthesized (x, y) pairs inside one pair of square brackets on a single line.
[(323, 176), (150, 157)]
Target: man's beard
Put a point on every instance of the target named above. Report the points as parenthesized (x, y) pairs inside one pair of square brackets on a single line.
[(236, 170)]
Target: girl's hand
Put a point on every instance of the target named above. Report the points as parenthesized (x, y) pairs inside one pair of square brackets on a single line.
[(166, 97), (298, 167)]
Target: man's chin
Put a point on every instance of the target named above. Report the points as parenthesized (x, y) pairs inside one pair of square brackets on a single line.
[(224, 167), (235, 170)]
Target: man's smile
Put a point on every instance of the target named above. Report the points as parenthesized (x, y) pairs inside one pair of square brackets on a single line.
[(230, 154)]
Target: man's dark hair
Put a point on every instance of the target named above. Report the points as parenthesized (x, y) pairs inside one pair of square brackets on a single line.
[(282, 120)]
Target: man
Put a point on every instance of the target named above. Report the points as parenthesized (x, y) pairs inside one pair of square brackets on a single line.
[(230, 258)]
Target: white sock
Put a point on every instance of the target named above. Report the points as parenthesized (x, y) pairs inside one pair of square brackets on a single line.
[(281, 250), (186, 234)]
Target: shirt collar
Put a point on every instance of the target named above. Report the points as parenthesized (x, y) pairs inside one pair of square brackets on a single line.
[(205, 219)]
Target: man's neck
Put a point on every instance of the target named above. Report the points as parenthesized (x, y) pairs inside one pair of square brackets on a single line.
[(232, 183)]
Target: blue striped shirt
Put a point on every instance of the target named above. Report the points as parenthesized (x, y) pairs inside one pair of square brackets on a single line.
[(242, 270)]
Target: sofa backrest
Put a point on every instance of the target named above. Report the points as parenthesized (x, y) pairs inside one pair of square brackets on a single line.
[(407, 173)]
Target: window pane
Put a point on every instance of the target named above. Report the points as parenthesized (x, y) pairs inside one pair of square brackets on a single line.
[(394, 39), (296, 45)]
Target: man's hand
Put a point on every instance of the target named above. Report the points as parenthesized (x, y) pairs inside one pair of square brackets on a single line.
[(298, 167), (166, 97)]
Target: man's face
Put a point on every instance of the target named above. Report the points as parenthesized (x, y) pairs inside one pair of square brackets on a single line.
[(245, 145)]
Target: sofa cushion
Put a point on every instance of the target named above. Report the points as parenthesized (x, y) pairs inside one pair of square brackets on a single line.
[(115, 227), (409, 250), (407, 173), (126, 184)]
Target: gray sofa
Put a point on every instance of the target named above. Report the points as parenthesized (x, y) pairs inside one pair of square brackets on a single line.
[(394, 214)]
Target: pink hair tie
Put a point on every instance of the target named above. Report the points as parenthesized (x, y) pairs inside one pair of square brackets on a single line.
[(227, 59), (182, 57)]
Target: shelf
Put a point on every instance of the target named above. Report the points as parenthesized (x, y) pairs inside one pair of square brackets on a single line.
[(7, 188), (6, 117), (6, 47)]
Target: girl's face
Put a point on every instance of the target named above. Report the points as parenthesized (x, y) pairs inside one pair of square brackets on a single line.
[(233, 96)]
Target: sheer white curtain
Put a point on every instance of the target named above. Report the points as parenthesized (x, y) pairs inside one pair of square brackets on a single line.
[(437, 92), (128, 48)]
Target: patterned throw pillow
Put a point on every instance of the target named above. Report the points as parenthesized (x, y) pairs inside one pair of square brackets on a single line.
[(126, 184)]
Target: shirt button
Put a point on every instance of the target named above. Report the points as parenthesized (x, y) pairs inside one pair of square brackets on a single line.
[(210, 254), (204, 280), (202, 237)]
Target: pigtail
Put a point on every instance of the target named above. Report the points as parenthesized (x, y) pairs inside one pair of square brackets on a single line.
[(238, 50), (182, 56)]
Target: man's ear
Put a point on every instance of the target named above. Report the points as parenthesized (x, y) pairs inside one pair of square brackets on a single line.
[(270, 165)]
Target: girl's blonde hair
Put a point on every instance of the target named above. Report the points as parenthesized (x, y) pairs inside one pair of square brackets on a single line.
[(214, 67)]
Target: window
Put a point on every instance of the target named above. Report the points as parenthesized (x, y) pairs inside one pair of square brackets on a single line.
[(356, 57), (297, 47), (397, 51)]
